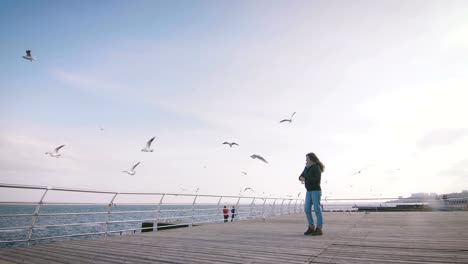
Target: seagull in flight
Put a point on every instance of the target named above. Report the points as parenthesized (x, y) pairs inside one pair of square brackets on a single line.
[(255, 156), (288, 120), (361, 170), (148, 148), (248, 188), (230, 144), (132, 170), (55, 153), (243, 172), (28, 56), (298, 194)]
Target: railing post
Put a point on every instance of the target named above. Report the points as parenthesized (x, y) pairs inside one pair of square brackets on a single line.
[(274, 207), (282, 204), (109, 208), (289, 206), (193, 208), (219, 209), (158, 214), (251, 206), (36, 214), (295, 206), (263, 207), (237, 208)]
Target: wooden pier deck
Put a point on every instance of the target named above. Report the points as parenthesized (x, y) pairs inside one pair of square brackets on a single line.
[(377, 237)]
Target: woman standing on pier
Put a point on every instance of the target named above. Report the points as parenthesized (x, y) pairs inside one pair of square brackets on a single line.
[(311, 176)]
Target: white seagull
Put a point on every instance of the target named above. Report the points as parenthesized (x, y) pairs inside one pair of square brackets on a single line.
[(255, 156), (360, 171), (28, 56), (231, 144), (288, 120), (243, 172), (248, 188), (55, 153), (148, 145), (132, 170)]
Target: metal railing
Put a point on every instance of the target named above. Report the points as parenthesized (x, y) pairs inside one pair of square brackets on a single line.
[(57, 213), (63, 217)]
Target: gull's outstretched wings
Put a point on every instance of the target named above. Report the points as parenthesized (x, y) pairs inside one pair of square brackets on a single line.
[(288, 120), (255, 156), (230, 143)]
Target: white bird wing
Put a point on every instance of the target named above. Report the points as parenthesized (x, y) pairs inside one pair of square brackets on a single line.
[(285, 120), (134, 166), (148, 144), (226, 143), (234, 143), (58, 148), (292, 115)]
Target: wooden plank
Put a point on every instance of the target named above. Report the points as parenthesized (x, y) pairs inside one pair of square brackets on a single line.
[(397, 237)]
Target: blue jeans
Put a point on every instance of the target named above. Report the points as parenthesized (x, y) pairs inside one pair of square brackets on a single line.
[(313, 198)]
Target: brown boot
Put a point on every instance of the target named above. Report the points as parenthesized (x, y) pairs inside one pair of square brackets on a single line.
[(317, 232), (309, 231)]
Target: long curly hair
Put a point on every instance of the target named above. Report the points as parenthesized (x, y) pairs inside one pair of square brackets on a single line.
[(315, 159)]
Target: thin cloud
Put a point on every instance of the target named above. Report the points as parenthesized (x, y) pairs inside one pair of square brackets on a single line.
[(459, 169), (442, 137)]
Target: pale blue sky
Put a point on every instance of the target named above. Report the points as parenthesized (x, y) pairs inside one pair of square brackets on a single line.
[(379, 83)]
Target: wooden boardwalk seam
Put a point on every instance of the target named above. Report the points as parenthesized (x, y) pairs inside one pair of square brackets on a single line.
[(378, 237)]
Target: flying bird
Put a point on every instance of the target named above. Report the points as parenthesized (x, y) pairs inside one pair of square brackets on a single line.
[(248, 188), (243, 172), (255, 156), (288, 120), (230, 144), (361, 170), (298, 194), (28, 56), (55, 153), (132, 170), (148, 148)]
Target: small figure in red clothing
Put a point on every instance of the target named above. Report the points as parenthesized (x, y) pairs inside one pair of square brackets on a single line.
[(226, 214)]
